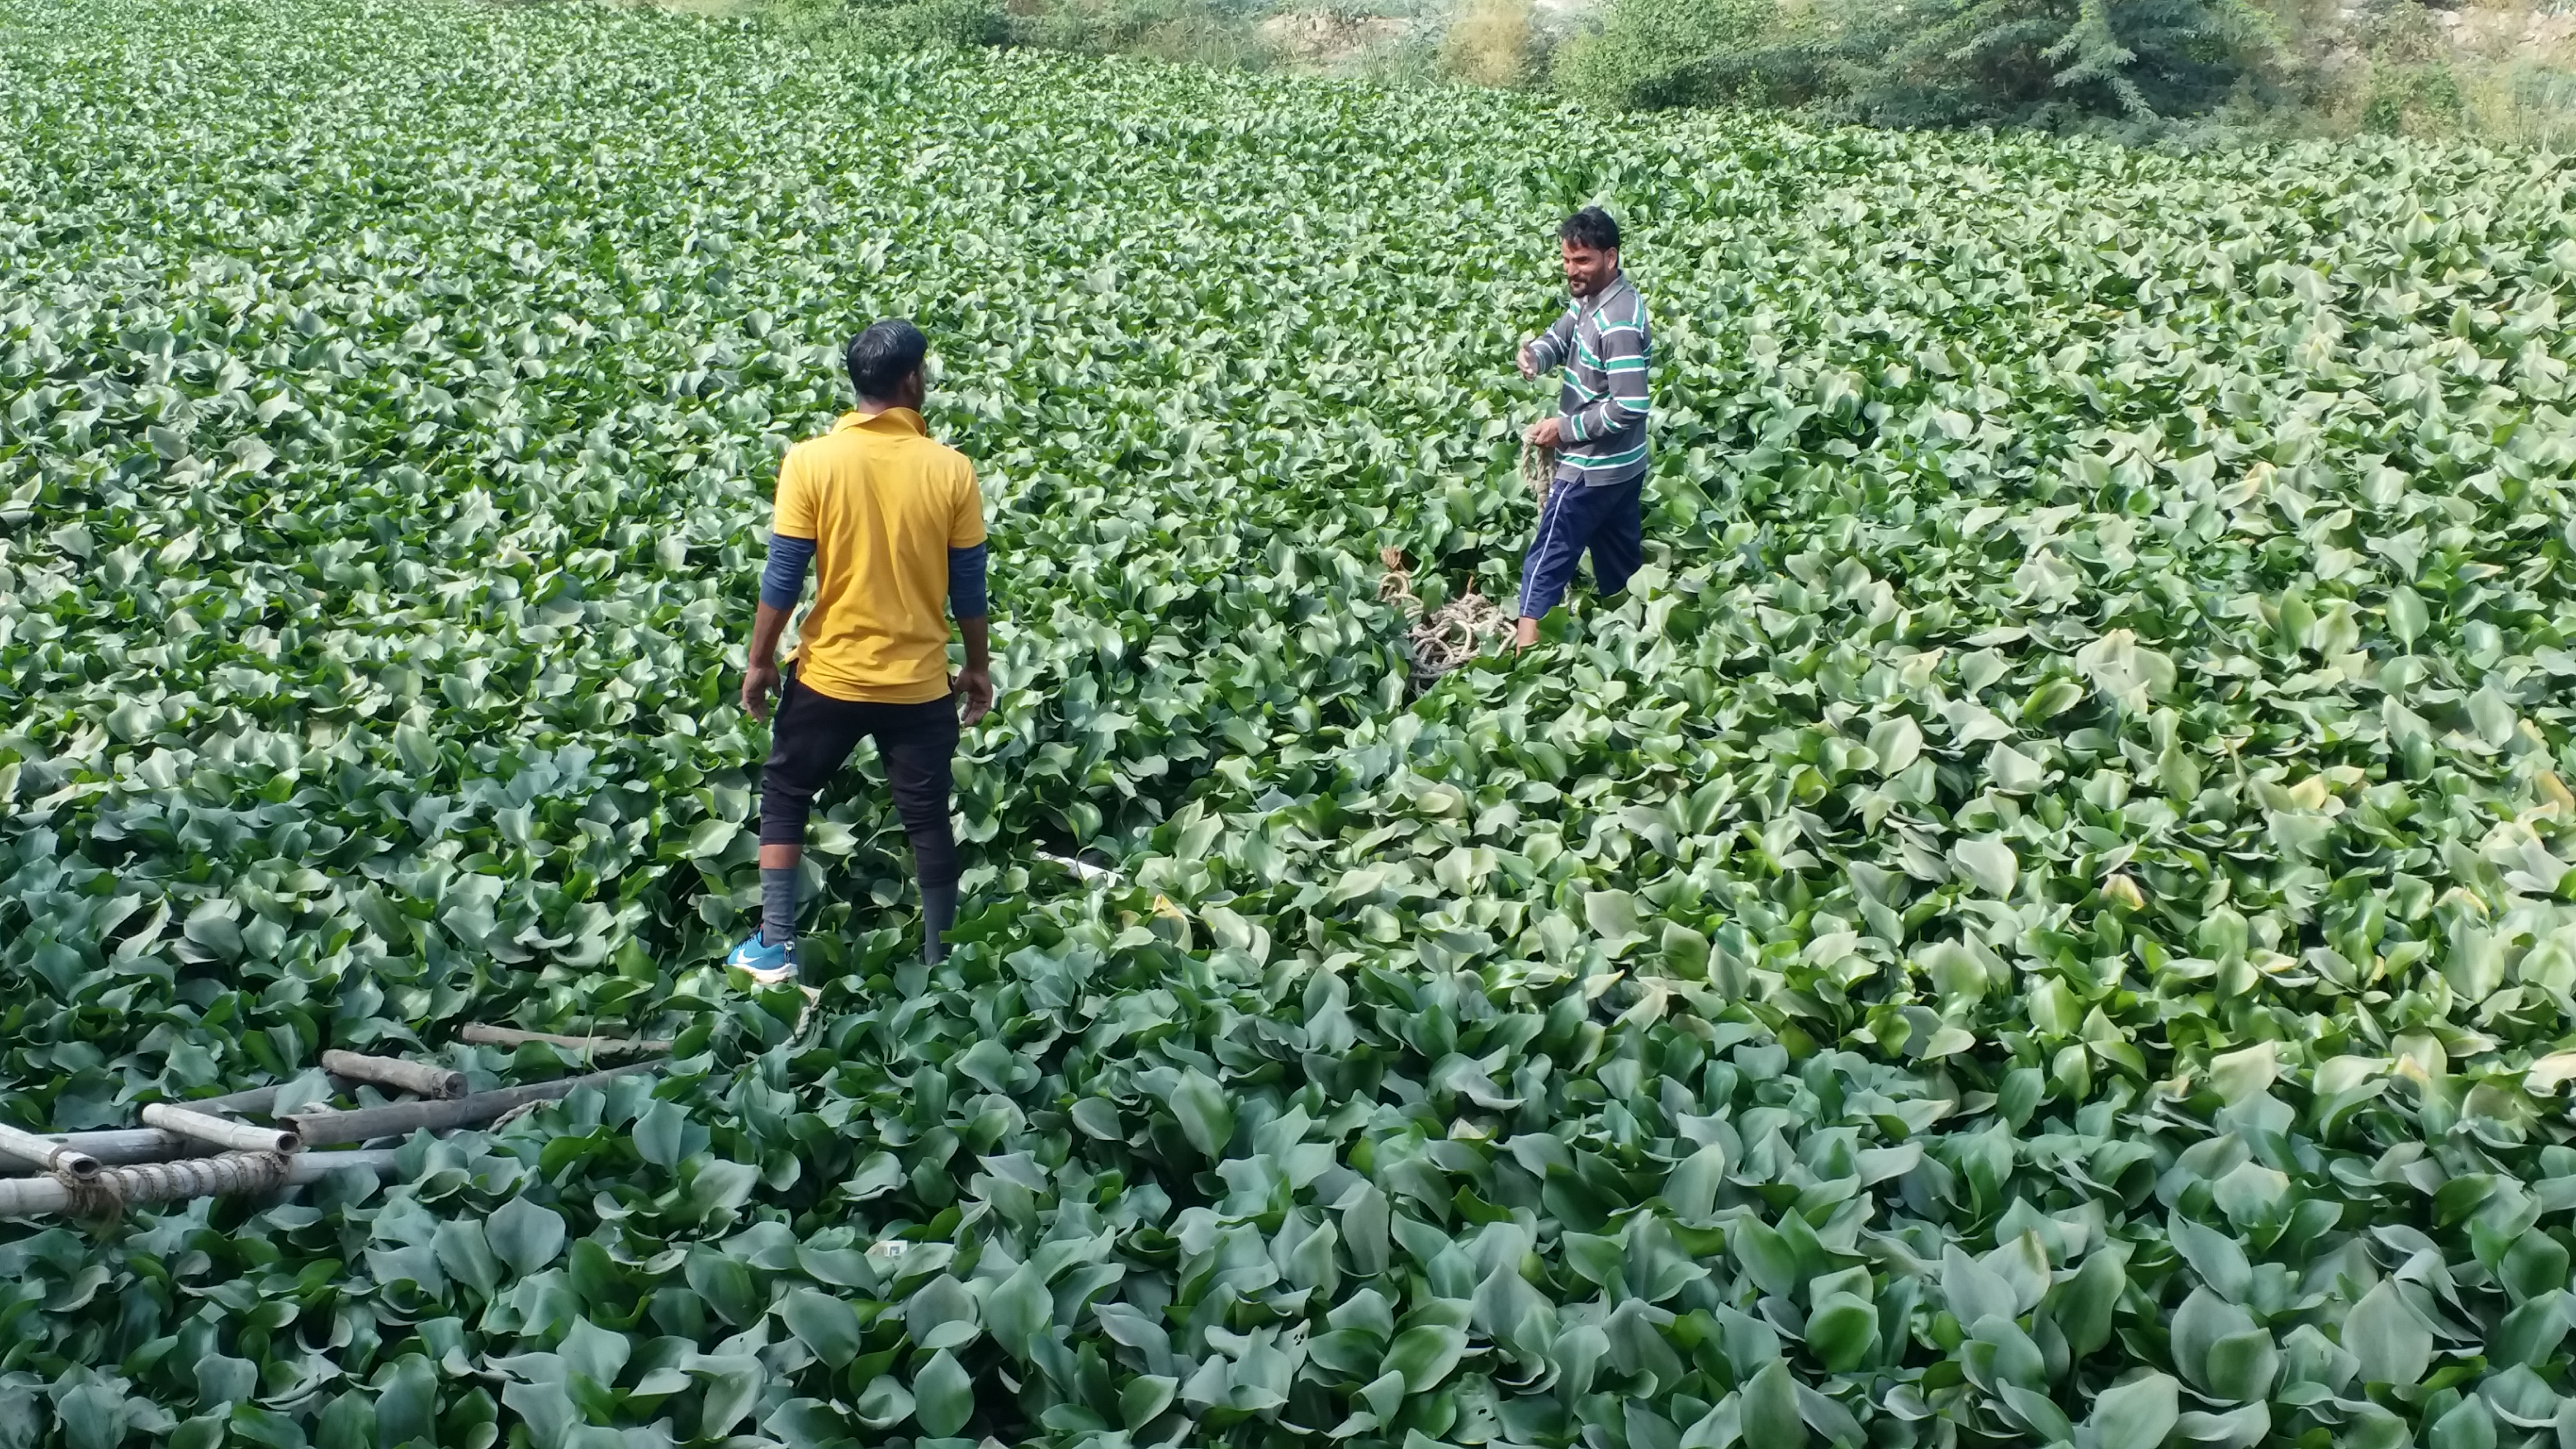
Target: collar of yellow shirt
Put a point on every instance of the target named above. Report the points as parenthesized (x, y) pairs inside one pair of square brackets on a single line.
[(892, 420)]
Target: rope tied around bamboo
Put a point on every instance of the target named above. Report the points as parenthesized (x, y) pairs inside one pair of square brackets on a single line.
[(1454, 633), (106, 1195)]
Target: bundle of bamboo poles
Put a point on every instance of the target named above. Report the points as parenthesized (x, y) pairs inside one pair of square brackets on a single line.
[(204, 1148)]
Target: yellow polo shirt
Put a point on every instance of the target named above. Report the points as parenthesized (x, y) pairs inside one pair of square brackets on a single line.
[(884, 505)]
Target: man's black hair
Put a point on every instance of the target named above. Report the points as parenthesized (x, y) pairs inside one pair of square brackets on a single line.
[(883, 356), (1591, 227)]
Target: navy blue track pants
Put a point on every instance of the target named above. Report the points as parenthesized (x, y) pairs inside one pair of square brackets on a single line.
[(1609, 521)]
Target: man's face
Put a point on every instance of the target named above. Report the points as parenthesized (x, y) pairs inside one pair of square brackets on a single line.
[(1587, 270)]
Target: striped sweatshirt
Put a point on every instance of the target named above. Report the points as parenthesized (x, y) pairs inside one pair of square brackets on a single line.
[(1602, 343)]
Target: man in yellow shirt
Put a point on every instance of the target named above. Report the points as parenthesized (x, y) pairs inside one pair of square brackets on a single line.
[(893, 526)]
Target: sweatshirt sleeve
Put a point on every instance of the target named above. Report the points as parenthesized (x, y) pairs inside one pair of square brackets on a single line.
[(1548, 349)]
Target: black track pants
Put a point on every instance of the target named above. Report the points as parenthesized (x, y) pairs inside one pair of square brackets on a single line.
[(812, 737)]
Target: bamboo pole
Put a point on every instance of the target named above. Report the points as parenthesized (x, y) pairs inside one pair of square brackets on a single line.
[(233, 1136), (1083, 870), (252, 1101), (420, 1077), (115, 1147), (399, 1119), (223, 1174), (121, 1146), (477, 1034), (46, 1153)]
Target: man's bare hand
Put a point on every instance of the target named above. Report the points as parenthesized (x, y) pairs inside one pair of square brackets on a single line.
[(1545, 432), (974, 695), (759, 682), (1529, 364)]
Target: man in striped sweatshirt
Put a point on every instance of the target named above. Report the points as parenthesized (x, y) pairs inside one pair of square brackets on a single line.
[(1597, 499)]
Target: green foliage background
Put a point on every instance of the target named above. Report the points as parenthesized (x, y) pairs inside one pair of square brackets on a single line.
[(1658, 53), (2178, 73), (2039, 920), (2174, 73), (2056, 64)]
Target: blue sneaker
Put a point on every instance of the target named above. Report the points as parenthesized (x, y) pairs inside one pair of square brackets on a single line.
[(765, 964)]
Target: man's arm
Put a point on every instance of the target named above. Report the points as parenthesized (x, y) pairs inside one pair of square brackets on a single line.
[(976, 682), (1546, 351), (780, 584), (1623, 359), (969, 602)]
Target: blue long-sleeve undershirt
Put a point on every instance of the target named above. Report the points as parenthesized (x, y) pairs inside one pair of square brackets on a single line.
[(783, 578), (966, 598)]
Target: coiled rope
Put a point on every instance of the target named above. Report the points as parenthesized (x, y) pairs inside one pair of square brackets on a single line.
[(1538, 470), (1454, 633)]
